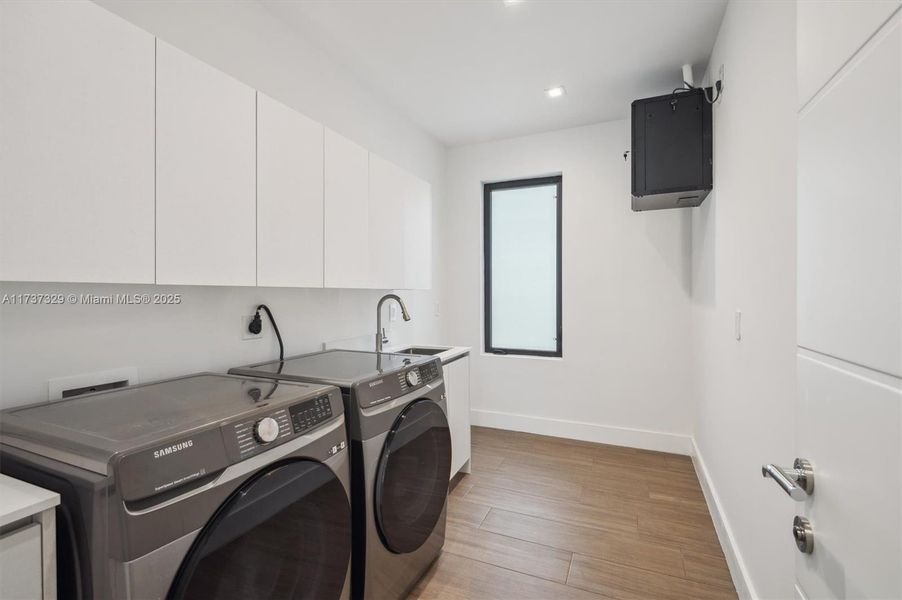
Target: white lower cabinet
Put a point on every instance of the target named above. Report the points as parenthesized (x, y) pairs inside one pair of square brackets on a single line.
[(457, 390), (27, 540), (206, 182), (20, 563)]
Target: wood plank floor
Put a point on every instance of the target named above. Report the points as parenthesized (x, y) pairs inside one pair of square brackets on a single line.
[(545, 518)]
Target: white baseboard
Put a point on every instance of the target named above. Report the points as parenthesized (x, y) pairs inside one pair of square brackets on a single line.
[(588, 432), (738, 571)]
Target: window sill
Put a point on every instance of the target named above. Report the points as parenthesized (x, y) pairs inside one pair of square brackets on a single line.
[(522, 356)]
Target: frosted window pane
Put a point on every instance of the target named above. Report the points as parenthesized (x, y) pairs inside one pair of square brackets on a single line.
[(524, 268)]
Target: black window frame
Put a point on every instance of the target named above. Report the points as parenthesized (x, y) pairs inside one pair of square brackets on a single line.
[(488, 188)]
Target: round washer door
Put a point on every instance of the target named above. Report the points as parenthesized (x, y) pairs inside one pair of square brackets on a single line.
[(412, 476), (285, 533)]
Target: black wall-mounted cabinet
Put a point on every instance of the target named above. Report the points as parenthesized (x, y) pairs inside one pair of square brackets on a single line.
[(672, 151)]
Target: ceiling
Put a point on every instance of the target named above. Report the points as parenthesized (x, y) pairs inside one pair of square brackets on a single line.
[(476, 70)]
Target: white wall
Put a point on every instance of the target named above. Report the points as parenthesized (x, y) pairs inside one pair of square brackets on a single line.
[(38, 343), (743, 257), (625, 373)]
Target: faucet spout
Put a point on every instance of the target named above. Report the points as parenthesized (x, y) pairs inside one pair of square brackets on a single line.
[(379, 331)]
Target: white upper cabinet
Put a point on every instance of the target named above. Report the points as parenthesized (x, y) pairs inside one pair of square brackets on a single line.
[(289, 197), (77, 143), (386, 214), (205, 174), (346, 213), (400, 227), (417, 228)]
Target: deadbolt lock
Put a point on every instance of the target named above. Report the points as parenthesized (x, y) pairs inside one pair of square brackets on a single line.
[(803, 534)]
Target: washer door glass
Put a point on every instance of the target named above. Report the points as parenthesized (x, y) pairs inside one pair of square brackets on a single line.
[(412, 476), (285, 533)]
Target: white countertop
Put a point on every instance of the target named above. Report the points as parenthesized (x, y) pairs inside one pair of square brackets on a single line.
[(19, 500)]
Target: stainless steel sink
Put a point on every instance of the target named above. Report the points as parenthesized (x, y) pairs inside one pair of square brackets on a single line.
[(422, 351)]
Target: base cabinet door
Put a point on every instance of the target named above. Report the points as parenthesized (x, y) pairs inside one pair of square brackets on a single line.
[(21, 563), (205, 174), (457, 388)]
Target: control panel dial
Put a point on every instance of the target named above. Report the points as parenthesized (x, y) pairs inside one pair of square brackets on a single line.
[(266, 430), (413, 378)]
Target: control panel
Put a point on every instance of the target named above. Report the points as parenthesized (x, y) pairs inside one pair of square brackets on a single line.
[(253, 434), (419, 375), (256, 434), (310, 413)]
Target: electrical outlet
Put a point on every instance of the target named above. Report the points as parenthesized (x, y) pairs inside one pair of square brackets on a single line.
[(437, 309), (392, 312), (737, 325), (245, 333)]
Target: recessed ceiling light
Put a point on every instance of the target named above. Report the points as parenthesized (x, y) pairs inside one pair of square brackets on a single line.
[(555, 92), (512, 2)]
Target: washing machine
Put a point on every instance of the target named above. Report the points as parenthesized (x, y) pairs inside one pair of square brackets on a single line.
[(400, 459), (206, 486)]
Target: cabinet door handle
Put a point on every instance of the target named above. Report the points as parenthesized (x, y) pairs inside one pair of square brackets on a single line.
[(797, 482)]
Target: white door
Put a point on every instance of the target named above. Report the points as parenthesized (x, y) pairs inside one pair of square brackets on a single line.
[(346, 213), (76, 145), (206, 233), (289, 197), (849, 410)]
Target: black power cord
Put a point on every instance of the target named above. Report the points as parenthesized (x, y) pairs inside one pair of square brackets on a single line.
[(718, 88), (256, 326)]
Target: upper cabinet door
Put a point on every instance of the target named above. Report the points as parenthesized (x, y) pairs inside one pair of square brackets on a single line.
[(417, 234), (346, 213), (77, 143), (388, 187), (205, 174), (289, 197)]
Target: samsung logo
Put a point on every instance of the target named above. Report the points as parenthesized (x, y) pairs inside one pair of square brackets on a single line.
[(375, 383), (173, 449)]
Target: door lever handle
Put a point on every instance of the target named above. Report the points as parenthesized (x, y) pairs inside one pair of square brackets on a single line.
[(797, 482)]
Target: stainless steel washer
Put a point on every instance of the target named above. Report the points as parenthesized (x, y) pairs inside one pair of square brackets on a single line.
[(207, 486), (400, 456)]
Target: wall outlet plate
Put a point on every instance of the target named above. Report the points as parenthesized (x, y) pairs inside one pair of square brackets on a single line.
[(245, 333), (392, 312)]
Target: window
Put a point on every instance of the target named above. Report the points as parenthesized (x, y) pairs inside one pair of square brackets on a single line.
[(523, 267)]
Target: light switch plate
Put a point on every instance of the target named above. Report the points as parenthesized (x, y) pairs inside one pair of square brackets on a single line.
[(737, 325)]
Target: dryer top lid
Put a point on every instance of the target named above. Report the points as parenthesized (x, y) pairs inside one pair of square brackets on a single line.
[(342, 368), (126, 418)]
